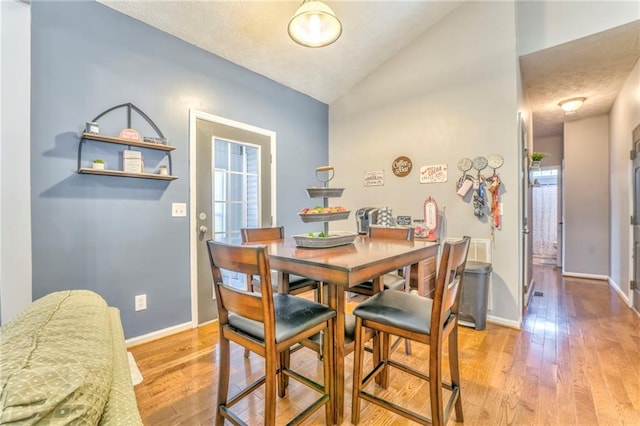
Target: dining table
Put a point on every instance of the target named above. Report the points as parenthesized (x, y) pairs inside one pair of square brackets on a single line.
[(342, 267)]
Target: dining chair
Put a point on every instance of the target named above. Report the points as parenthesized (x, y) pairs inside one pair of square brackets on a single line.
[(297, 285), (267, 324), (392, 280), (424, 320)]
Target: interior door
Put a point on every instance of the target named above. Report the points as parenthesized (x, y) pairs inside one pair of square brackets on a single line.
[(233, 189), (525, 214), (636, 221)]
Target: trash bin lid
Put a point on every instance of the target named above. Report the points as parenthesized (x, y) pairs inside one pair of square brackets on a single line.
[(477, 267)]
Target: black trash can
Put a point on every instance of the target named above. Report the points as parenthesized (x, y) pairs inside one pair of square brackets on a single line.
[(474, 295)]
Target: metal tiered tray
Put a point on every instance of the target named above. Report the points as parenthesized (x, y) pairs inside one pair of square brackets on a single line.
[(336, 238), (323, 217), (324, 192)]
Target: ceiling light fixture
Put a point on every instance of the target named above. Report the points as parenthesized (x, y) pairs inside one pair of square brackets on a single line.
[(570, 106), (314, 25)]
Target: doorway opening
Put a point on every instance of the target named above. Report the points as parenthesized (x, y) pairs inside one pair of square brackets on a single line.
[(544, 199)]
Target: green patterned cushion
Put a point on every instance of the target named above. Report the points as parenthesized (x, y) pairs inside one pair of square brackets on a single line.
[(56, 361)]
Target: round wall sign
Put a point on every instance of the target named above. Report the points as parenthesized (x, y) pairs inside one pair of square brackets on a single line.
[(401, 166)]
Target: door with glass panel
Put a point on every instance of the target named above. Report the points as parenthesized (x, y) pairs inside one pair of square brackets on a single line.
[(233, 186)]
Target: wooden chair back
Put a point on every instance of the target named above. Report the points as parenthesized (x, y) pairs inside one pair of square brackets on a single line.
[(391, 233), (250, 235), (247, 260), (448, 284)]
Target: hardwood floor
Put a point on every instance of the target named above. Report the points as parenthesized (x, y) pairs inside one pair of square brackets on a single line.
[(575, 362)]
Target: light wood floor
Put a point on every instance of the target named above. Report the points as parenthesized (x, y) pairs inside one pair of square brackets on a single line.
[(575, 362)]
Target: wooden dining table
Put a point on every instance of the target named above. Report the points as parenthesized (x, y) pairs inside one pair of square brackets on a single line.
[(343, 267)]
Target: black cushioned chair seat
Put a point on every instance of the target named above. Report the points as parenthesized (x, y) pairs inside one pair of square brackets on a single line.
[(391, 282), (293, 315), (349, 330), (399, 309), (295, 282)]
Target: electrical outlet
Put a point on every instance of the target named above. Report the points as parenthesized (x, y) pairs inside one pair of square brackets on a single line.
[(141, 302), (178, 209)]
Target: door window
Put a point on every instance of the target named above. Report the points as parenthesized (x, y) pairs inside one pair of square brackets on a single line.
[(236, 189)]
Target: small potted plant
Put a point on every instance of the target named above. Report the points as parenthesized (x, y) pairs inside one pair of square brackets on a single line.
[(98, 164), (163, 170), (536, 157)]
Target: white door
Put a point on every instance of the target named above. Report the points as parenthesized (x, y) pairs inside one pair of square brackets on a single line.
[(636, 220), (231, 188), (526, 265)]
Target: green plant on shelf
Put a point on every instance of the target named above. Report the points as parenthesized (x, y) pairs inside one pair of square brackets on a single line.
[(538, 156), (98, 161)]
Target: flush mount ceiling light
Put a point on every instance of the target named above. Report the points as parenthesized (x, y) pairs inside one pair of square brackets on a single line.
[(314, 25), (570, 106)]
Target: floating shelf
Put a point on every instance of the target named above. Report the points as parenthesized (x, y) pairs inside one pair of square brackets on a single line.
[(109, 139), (120, 173), (128, 143)]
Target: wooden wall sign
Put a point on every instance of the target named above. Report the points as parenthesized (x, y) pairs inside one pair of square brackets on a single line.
[(401, 166)]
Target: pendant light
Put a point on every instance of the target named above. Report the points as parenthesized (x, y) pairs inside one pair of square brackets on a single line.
[(314, 25)]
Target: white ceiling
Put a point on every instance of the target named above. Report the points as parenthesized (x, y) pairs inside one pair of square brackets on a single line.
[(253, 34)]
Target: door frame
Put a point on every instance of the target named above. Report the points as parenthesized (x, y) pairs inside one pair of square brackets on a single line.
[(194, 115)]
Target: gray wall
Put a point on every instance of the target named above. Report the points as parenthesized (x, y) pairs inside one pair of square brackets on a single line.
[(115, 235), (586, 196), (450, 94), (623, 118), (553, 145)]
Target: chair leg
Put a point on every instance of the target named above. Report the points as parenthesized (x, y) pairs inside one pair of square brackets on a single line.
[(435, 383), (271, 364), (407, 346), (247, 352), (385, 352), (283, 379), (358, 356), (328, 366), (223, 378), (455, 371)]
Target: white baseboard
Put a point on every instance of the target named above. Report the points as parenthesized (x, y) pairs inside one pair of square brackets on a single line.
[(504, 322), (586, 276), (620, 293), (157, 334)]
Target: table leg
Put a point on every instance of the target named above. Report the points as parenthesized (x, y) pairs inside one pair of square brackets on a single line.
[(383, 378), (283, 379), (336, 301)]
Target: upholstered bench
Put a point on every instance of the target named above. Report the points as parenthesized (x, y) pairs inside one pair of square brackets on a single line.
[(63, 360)]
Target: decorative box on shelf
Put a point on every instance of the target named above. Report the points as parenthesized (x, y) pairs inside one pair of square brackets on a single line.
[(132, 161)]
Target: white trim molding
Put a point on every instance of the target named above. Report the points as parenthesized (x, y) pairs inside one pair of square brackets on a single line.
[(623, 296), (154, 335), (586, 276), (504, 322)]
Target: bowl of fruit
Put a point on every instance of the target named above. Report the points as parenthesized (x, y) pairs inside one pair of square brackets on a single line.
[(323, 214), (322, 240)]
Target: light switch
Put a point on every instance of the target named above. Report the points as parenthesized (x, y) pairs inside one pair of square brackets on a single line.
[(179, 209)]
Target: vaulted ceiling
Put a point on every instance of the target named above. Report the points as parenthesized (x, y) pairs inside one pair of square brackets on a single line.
[(253, 34)]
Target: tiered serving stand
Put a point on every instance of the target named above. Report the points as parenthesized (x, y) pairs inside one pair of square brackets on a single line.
[(333, 239)]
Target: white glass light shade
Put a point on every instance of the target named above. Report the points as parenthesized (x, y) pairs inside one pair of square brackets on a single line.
[(314, 25), (571, 105)]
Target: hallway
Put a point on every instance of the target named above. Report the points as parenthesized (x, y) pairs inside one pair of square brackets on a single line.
[(575, 362)]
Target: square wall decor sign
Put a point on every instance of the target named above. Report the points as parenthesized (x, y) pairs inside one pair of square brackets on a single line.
[(433, 174), (374, 178)]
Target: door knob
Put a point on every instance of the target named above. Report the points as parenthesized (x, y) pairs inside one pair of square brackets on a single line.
[(203, 229)]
